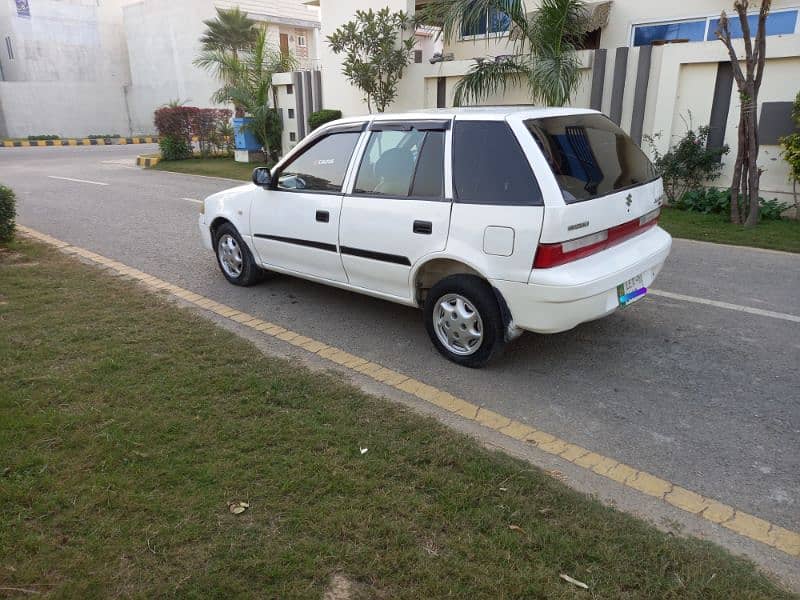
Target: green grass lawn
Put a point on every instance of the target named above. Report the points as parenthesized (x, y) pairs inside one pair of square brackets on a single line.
[(774, 235), (213, 167), (127, 425)]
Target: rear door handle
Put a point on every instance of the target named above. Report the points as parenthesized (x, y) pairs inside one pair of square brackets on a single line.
[(323, 216), (423, 227)]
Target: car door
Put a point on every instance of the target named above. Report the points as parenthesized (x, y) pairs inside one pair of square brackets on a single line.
[(295, 224), (397, 211)]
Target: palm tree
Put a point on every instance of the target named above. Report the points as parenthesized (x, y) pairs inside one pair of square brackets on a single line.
[(247, 84), (545, 47), (232, 31)]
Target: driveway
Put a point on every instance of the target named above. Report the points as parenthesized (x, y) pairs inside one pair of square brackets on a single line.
[(703, 394)]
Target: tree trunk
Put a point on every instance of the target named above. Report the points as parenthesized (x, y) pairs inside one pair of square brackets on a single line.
[(738, 170)]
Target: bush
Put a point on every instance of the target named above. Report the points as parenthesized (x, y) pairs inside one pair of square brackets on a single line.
[(104, 136), (8, 211), (319, 118), (177, 125), (44, 138), (173, 148), (688, 164), (718, 202)]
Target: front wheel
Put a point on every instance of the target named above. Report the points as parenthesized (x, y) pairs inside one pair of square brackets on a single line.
[(235, 259), (464, 321)]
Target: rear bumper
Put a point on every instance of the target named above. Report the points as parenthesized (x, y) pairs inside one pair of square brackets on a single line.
[(205, 233), (561, 298)]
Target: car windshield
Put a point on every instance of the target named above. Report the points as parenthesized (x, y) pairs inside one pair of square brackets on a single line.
[(590, 156)]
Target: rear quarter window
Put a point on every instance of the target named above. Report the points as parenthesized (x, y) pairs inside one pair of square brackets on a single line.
[(489, 166), (590, 156)]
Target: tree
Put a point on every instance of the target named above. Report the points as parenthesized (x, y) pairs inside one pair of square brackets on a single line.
[(247, 83), (375, 53), (231, 31), (746, 172), (545, 47)]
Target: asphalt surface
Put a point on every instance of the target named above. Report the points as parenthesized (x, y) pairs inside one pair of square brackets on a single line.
[(706, 397)]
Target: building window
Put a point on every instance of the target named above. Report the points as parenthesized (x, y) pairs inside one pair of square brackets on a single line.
[(701, 30), (301, 41), (491, 21), (292, 136), (778, 23), (291, 113), (9, 48), (290, 89)]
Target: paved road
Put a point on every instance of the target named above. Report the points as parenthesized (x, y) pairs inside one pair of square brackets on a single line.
[(706, 397)]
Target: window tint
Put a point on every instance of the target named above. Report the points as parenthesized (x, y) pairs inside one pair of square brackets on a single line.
[(429, 178), (322, 167), (590, 156), (402, 163), (489, 166), (645, 35)]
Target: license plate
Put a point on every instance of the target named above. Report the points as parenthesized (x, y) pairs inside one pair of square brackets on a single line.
[(631, 291)]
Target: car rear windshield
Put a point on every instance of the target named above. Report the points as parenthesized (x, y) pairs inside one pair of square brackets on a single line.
[(590, 156)]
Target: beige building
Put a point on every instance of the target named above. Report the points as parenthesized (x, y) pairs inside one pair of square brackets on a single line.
[(649, 64)]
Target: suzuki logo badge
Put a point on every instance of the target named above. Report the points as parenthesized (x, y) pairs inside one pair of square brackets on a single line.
[(629, 200)]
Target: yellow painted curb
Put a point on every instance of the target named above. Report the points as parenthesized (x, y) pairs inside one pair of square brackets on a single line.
[(147, 161), (742, 523)]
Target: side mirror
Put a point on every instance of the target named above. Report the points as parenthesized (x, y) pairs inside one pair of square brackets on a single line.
[(262, 177)]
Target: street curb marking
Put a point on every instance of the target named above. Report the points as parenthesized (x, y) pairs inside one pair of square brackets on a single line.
[(79, 142), (147, 161), (742, 523)]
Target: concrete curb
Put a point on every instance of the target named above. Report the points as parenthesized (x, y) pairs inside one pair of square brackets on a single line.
[(147, 161), (78, 142)]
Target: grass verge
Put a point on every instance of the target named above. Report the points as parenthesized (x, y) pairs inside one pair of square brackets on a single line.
[(773, 235), (210, 167), (127, 425)]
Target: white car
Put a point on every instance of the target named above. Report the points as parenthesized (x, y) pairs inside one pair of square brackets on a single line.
[(494, 221)]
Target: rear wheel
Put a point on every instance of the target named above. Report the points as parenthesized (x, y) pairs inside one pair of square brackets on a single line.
[(464, 320), (234, 257)]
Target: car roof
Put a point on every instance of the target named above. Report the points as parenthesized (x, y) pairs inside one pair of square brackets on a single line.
[(484, 113)]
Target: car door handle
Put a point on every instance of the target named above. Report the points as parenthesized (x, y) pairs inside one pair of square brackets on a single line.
[(423, 227), (323, 216)]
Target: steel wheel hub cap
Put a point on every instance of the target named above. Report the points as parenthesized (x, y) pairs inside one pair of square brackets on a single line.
[(230, 255), (458, 324)]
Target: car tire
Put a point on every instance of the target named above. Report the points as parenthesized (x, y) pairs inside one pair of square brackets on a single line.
[(234, 257), (464, 321)]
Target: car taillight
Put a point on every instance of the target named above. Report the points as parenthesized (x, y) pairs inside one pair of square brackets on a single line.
[(554, 255)]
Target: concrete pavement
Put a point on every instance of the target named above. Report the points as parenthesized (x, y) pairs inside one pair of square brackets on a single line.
[(702, 396)]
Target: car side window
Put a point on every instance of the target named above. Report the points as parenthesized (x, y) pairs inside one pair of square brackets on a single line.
[(490, 167), (322, 167), (402, 164)]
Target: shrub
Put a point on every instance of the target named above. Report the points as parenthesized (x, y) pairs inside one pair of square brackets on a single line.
[(177, 125), (718, 202), (790, 146), (8, 212), (319, 118), (103, 136), (688, 164), (44, 138), (173, 148)]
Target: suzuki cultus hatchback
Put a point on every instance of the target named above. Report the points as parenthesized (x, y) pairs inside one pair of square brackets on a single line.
[(494, 221)]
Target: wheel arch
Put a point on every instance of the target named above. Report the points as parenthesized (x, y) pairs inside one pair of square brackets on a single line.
[(433, 269)]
